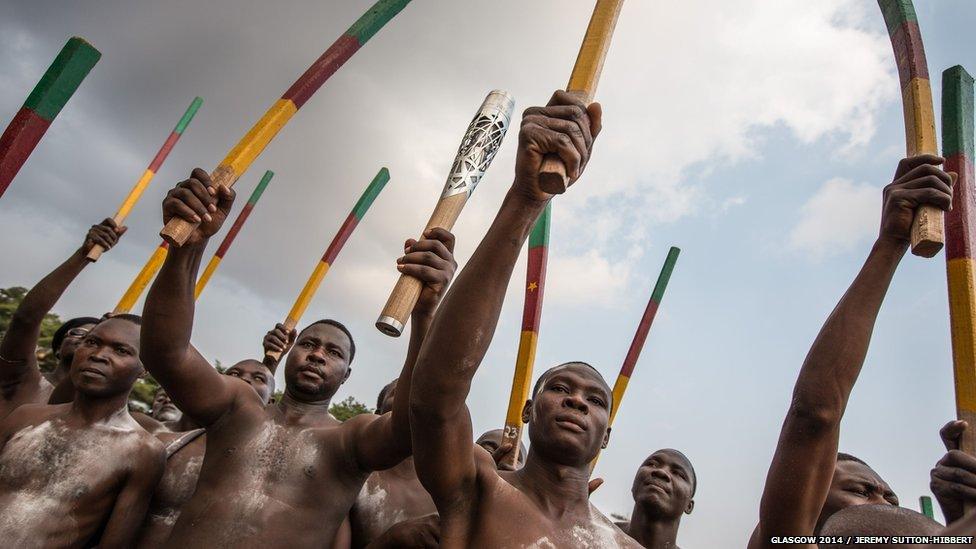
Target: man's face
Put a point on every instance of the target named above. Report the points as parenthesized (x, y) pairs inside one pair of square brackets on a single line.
[(568, 416), (492, 440), (319, 362), (106, 362), (665, 484), (388, 396), (255, 374), (855, 484), (71, 341), (163, 408)]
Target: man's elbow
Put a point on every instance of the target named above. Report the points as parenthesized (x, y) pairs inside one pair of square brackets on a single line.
[(813, 416), (427, 412)]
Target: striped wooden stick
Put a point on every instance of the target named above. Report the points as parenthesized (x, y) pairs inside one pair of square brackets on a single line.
[(535, 282), (231, 234), (55, 88), (329, 257), (250, 146), (583, 81), (957, 146), (925, 504), (637, 345), (147, 176), (906, 40), (145, 276)]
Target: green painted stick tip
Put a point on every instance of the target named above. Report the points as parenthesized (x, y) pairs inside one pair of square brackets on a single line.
[(897, 13), (191, 111), (540, 231), (925, 503), (373, 20), (371, 192), (665, 276), (957, 112), (62, 78), (259, 190)]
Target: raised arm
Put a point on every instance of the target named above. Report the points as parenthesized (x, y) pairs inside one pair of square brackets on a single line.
[(385, 441), (132, 502), (465, 323), (17, 358), (803, 465), (193, 384)]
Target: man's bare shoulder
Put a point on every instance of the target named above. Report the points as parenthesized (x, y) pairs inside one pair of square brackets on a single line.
[(607, 528), (28, 415)]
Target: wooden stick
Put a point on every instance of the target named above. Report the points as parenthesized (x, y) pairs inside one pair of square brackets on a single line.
[(535, 282), (583, 81), (147, 176), (328, 258), (906, 41), (957, 146), (253, 143), (478, 147), (925, 504), (231, 234), (145, 276), (55, 88)]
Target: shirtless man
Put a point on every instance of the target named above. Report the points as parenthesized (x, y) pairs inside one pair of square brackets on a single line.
[(287, 474), (663, 490), (21, 381), (953, 479), (545, 503), (804, 484), (163, 410), (493, 442), (185, 443), (70, 471)]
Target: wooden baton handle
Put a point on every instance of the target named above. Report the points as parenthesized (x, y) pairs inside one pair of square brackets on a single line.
[(405, 294), (178, 230), (290, 324)]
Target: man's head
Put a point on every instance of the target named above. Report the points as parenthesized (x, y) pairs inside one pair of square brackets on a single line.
[(163, 408), (67, 337), (855, 483), (665, 484), (384, 401), (255, 374), (878, 520), (106, 362), (492, 440), (569, 414), (319, 363)]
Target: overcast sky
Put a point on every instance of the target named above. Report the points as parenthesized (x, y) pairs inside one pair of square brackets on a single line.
[(755, 135)]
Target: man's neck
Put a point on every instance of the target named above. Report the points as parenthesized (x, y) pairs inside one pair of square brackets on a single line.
[(100, 409), (298, 410), (653, 531), (558, 489)]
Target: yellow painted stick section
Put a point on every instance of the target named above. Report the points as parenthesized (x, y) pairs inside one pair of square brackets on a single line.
[(962, 311), (593, 50), (619, 388), (522, 379), (920, 118), (305, 297), (134, 194), (258, 137), (142, 280), (205, 277)]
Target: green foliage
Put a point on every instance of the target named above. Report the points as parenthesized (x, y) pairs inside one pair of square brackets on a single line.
[(143, 392), (350, 407), (10, 299)]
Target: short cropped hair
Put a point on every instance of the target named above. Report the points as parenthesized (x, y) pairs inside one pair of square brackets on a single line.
[(539, 382), (135, 319), (382, 396), (340, 327), (877, 520), (69, 325), (841, 456)]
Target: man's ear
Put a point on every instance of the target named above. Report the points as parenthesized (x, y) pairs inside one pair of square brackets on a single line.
[(606, 438), (690, 507), (346, 377), (527, 411)]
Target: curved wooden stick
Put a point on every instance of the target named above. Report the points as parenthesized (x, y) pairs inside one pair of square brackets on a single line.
[(253, 143), (332, 252), (231, 234), (583, 81), (535, 282), (957, 146), (906, 41), (147, 176)]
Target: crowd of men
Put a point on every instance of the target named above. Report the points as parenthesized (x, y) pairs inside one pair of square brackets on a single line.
[(219, 463)]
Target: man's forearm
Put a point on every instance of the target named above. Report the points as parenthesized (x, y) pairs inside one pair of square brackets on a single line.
[(836, 357), (168, 314), (466, 319), (20, 340)]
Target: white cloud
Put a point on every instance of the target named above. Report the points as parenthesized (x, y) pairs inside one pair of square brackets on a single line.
[(837, 218)]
